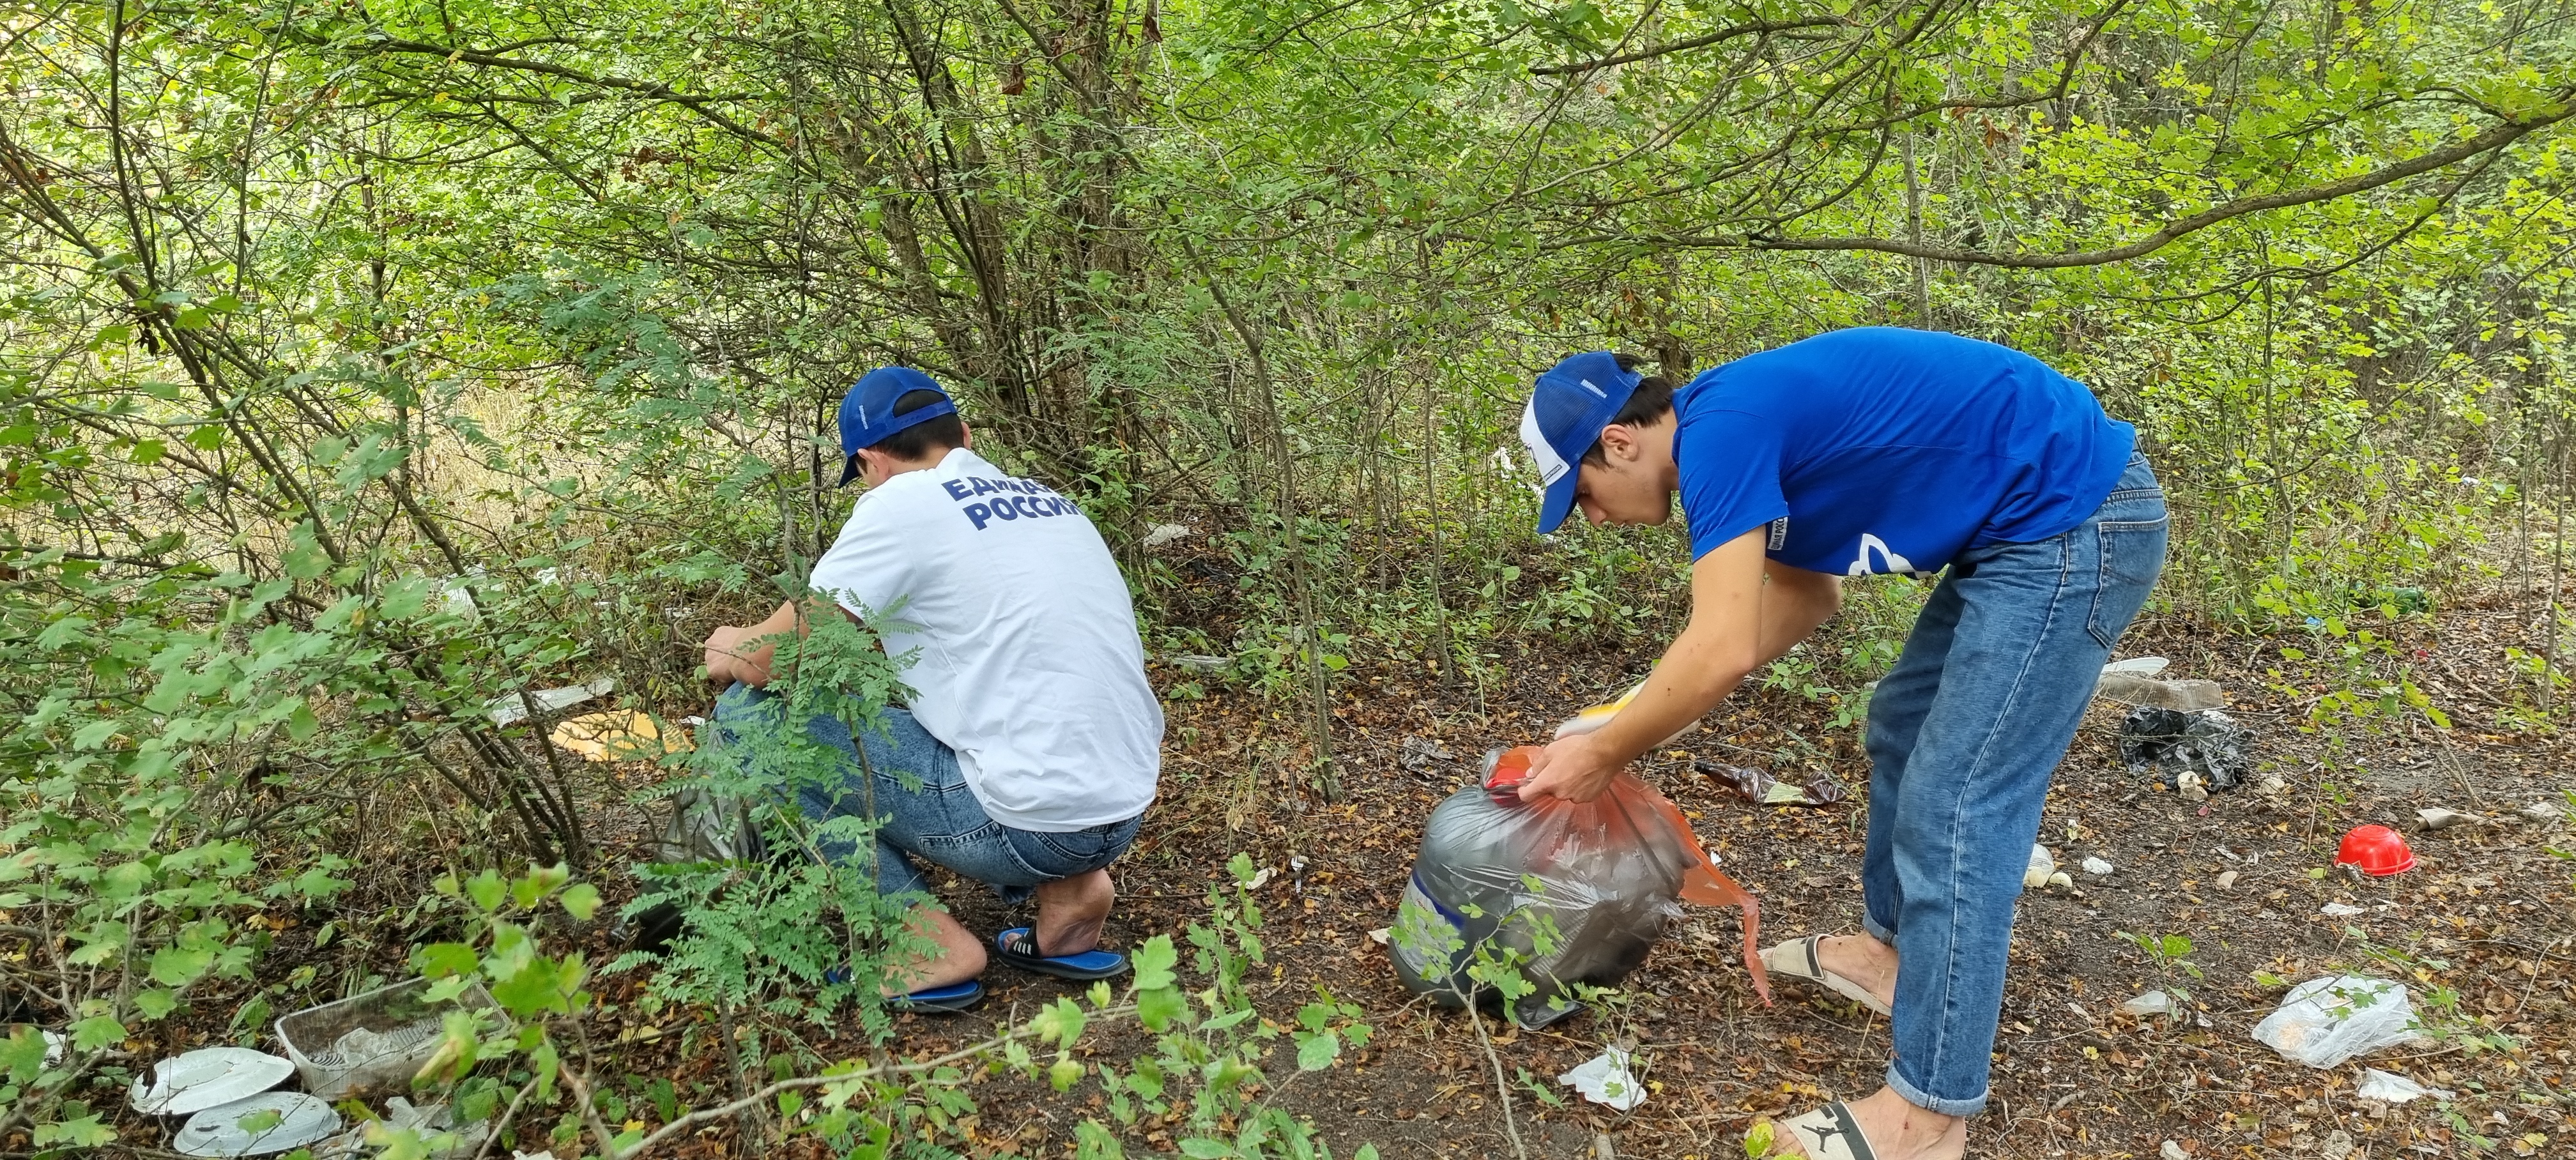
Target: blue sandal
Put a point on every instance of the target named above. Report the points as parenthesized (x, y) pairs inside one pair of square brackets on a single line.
[(1018, 946), (947, 1000)]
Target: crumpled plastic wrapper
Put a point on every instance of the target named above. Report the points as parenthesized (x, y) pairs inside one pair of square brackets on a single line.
[(1754, 785), (1605, 1079), (2208, 749)]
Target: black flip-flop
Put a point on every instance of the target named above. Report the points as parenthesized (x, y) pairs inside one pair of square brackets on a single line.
[(1018, 946)]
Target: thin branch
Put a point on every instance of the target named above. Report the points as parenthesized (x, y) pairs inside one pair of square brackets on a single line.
[(1717, 37), (2493, 139)]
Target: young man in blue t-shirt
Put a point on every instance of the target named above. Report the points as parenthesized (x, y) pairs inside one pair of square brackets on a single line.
[(1869, 451)]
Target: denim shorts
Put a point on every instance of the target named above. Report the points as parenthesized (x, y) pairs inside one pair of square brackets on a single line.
[(926, 813)]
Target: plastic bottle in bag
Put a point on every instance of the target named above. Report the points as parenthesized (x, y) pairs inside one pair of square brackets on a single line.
[(1556, 892)]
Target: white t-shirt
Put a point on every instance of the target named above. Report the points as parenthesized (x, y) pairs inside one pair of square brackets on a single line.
[(1030, 666)]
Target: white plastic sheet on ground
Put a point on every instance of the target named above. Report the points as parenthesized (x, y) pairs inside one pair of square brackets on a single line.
[(2389, 1088), (1605, 1079), (2323, 1022)]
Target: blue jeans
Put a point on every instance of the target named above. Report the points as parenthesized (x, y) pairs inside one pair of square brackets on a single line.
[(937, 819), (1963, 736)]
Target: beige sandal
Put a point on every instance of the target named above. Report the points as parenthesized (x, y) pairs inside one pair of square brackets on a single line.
[(1828, 1133), (1798, 959)]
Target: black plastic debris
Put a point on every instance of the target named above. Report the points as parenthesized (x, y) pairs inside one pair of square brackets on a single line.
[(2209, 745), (1754, 785)]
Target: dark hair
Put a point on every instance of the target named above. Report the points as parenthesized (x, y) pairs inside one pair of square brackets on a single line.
[(945, 433), (1652, 401)]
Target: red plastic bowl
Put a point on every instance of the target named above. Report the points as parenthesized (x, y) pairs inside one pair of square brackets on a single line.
[(2376, 850)]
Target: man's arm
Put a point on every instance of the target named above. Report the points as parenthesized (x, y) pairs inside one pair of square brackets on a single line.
[(744, 653), (1738, 623)]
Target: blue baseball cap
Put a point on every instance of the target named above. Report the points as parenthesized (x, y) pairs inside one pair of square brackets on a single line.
[(1573, 401), (867, 412)]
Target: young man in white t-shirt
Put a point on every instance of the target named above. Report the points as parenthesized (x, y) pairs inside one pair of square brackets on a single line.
[(1032, 741)]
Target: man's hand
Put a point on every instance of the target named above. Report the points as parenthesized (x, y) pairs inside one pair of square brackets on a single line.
[(723, 645), (1575, 768)]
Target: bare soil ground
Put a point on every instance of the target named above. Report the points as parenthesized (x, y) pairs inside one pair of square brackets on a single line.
[(2482, 931)]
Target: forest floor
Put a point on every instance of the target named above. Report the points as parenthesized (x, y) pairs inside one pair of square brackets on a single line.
[(2486, 916)]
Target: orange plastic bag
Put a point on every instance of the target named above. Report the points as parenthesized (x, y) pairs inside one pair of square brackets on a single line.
[(1565, 892)]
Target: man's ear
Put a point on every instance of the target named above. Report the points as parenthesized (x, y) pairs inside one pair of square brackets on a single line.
[(966, 435), (1619, 441)]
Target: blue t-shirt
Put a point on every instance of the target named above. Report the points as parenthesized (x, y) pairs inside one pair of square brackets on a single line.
[(1879, 449)]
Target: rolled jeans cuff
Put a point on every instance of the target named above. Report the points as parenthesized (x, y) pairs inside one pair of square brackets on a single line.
[(1876, 931), (1930, 1103)]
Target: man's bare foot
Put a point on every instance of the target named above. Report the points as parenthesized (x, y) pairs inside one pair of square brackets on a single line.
[(1071, 912), (1863, 960), (1896, 1130), (959, 955)]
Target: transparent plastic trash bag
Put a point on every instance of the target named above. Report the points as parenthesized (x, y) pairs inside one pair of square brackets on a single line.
[(2323, 1022), (1552, 891)]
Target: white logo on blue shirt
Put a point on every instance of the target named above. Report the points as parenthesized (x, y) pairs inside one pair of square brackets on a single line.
[(1860, 563)]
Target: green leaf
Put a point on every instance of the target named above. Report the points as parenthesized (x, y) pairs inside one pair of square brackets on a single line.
[(156, 1002), (438, 960), (96, 1032), (487, 889), (1318, 1051), (178, 966), (1154, 962), (85, 1132), (1158, 1008), (22, 1055), (581, 900), (1064, 1073), (1202, 1148), (532, 989)]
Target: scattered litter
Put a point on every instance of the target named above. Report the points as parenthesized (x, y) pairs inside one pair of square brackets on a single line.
[(2168, 742), (257, 1126), (2272, 784), (616, 735), (2336, 1145), (1753, 785), (1421, 752), (2173, 1151), (2376, 851), (1605, 1079), (1381, 935), (2042, 864), (374, 1039), (2543, 812), (2151, 1003), (2097, 867), (1201, 663), (57, 1045), (2323, 1022), (457, 600), (2137, 667), (2227, 880), (2339, 910), (507, 708), (2191, 786), (2062, 878), (206, 1078), (2134, 688), (2437, 818), (1161, 534), (2395, 1089), (1261, 879), (430, 1120)]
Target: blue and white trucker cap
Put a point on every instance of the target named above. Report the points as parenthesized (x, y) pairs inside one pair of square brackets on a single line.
[(1573, 401), (867, 412)]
